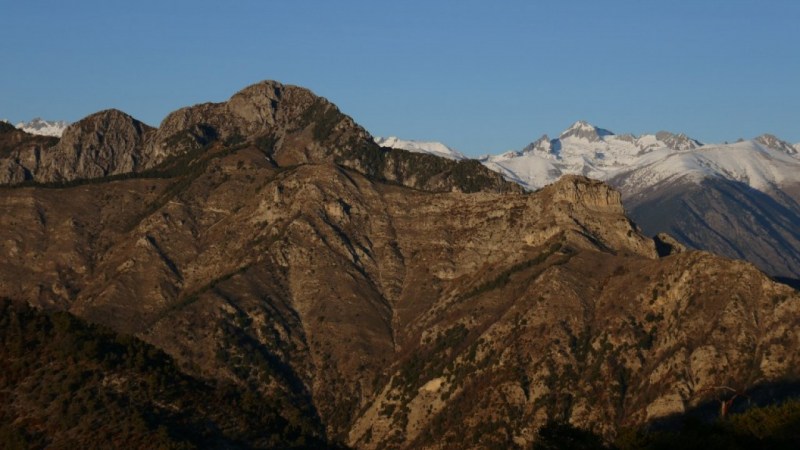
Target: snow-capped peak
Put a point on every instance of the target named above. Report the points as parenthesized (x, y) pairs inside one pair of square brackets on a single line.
[(43, 127), (543, 145), (677, 141), (584, 130), (770, 141), (430, 147)]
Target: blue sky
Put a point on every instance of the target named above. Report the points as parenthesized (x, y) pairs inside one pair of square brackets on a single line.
[(480, 76)]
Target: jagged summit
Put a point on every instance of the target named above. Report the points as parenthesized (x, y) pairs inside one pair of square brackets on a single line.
[(582, 149), (542, 145), (584, 130), (678, 141), (773, 142)]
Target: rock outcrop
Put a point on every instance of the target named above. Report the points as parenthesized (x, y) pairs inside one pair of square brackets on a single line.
[(667, 245), (103, 144)]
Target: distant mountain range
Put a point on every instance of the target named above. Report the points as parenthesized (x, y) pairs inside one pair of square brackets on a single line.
[(740, 200), (431, 147), (43, 127)]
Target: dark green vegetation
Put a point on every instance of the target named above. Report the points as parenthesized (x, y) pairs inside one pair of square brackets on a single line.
[(67, 384), (768, 427), (5, 127), (503, 278), (424, 171)]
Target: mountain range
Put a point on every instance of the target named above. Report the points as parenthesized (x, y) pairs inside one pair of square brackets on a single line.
[(43, 127), (740, 200), (266, 251), (430, 147)]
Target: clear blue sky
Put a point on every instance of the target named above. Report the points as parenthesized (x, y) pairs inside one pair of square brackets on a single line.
[(480, 76)]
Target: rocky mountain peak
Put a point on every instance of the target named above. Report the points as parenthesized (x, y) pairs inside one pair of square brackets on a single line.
[(248, 112), (583, 191), (678, 142), (254, 109), (667, 245), (267, 112), (541, 145), (773, 142), (109, 121), (584, 130), (105, 143), (596, 209)]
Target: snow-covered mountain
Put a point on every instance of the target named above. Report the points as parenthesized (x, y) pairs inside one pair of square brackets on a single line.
[(43, 127), (749, 162), (432, 147), (582, 149), (770, 141), (634, 163)]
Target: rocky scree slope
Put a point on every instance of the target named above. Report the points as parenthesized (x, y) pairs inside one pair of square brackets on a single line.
[(278, 250)]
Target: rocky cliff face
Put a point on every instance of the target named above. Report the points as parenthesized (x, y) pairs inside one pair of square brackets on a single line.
[(271, 247)]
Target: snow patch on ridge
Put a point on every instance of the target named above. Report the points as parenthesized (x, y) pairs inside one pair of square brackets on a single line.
[(430, 147)]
